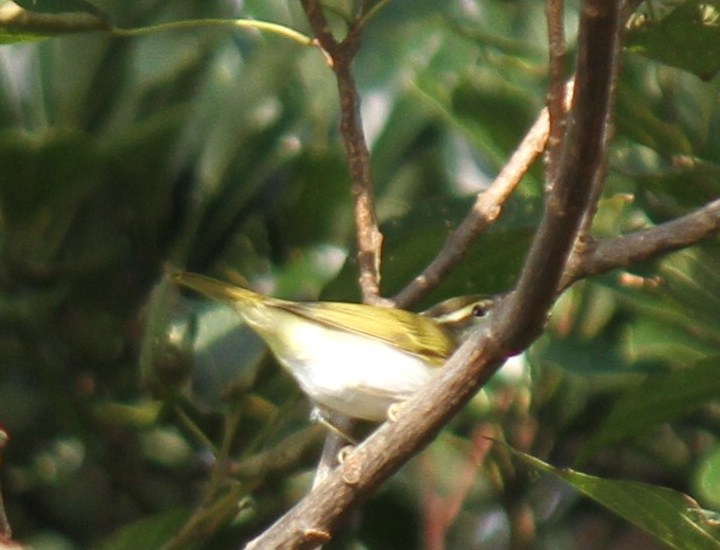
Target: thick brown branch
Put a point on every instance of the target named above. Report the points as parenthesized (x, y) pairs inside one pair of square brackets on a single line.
[(311, 521), (522, 317)]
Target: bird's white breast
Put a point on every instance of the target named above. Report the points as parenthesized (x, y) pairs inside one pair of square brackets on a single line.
[(349, 373)]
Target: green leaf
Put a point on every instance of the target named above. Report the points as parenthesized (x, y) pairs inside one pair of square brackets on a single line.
[(44, 19), (672, 517), (413, 240), (59, 6), (227, 356), (687, 37), (48, 176), (707, 477), (660, 398), (679, 321), (669, 192), (141, 414), (504, 115), (150, 532), (639, 120)]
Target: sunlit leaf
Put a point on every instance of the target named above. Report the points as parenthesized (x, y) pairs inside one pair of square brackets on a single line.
[(672, 517)]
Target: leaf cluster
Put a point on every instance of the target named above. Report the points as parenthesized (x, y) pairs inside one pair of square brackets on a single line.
[(216, 147)]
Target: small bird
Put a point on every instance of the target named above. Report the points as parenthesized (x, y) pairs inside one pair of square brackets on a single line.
[(355, 359)]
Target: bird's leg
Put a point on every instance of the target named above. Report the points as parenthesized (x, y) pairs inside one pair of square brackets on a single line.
[(316, 415)]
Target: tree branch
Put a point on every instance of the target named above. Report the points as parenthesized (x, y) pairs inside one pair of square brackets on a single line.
[(556, 95), (487, 208), (607, 254), (523, 316), (341, 55), (282, 457), (5, 529), (518, 320)]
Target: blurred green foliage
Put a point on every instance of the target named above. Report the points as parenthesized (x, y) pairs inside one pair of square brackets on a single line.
[(218, 151)]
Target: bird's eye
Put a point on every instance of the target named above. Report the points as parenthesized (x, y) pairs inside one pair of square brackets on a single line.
[(480, 310)]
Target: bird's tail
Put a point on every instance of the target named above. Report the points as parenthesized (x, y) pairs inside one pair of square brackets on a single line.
[(217, 290)]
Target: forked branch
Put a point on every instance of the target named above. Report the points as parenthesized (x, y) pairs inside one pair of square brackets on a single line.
[(485, 211), (518, 320), (601, 256)]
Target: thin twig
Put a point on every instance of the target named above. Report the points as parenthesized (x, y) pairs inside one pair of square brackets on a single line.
[(556, 93), (487, 208), (369, 237), (609, 254), (441, 511), (320, 26), (287, 454), (210, 511), (5, 529), (371, 13), (244, 24), (511, 328)]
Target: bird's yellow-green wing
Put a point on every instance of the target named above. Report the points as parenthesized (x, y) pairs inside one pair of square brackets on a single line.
[(407, 331)]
